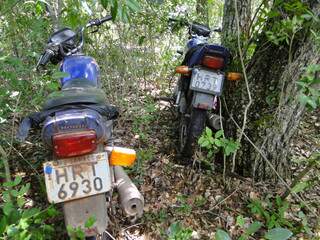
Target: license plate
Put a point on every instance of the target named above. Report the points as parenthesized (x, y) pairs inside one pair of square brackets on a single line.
[(78, 177), (206, 81)]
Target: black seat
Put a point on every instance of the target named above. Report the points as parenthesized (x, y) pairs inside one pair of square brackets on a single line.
[(76, 91)]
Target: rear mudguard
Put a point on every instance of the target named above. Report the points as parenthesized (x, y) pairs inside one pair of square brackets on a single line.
[(77, 212)]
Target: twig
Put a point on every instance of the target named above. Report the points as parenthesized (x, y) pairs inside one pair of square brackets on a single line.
[(224, 156), (6, 164), (106, 232), (247, 86), (222, 201)]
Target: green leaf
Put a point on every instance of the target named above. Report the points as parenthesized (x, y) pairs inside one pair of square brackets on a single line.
[(208, 132), (105, 3), (16, 181), (278, 234), (133, 5), (205, 143), (24, 189), (21, 201), (240, 221), (222, 235), (253, 227), (7, 208), (141, 40), (30, 212), (90, 222), (3, 225), (218, 143), (58, 75), (114, 10), (218, 134), (303, 98), (299, 187)]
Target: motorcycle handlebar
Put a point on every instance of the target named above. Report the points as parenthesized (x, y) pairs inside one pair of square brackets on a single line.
[(45, 58), (98, 22)]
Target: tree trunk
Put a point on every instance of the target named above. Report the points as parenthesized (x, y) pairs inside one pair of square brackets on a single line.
[(273, 117), (229, 26)]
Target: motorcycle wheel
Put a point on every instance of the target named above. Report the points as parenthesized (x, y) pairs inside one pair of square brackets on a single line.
[(191, 127)]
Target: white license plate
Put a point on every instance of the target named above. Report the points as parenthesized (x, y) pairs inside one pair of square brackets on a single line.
[(78, 177), (206, 81)]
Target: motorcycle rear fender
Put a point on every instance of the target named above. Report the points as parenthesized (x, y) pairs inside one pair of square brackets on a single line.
[(78, 211), (203, 101)]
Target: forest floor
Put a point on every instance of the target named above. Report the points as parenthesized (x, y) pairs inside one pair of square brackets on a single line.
[(180, 199)]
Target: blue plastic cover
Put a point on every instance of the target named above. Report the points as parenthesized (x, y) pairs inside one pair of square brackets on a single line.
[(79, 66)]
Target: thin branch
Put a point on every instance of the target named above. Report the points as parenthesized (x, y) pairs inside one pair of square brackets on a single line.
[(4, 157), (244, 123)]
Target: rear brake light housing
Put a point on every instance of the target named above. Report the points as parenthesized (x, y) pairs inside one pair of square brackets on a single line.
[(213, 62), (73, 144)]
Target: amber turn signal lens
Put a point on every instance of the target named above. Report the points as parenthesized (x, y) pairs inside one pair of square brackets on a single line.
[(121, 156), (234, 76), (183, 70)]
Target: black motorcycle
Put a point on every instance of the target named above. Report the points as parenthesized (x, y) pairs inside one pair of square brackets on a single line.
[(200, 85)]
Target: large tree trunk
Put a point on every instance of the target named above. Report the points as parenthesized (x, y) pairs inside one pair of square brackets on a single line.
[(229, 26), (273, 117)]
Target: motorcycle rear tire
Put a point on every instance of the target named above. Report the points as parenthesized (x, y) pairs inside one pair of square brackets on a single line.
[(190, 130)]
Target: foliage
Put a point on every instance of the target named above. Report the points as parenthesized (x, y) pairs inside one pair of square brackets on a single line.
[(178, 232), (309, 93), (121, 9), (19, 221), (273, 234), (272, 212), (183, 206), (214, 143), (78, 233)]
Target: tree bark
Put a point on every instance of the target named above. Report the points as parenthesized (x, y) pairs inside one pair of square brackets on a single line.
[(269, 126), (229, 26)]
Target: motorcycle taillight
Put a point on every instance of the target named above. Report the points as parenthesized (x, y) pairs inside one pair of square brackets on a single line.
[(213, 62), (73, 144)]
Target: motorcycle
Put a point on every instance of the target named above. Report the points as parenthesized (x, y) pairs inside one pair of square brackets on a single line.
[(85, 167), (200, 85)]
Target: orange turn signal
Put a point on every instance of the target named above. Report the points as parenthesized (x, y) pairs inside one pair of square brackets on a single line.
[(183, 70), (234, 76), (121, 156)]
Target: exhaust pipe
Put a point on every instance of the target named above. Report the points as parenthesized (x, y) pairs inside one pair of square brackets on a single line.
[(131, 200), (214, 121)]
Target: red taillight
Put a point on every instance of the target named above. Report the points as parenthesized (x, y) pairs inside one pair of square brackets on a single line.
[(74, 143), (213, 62)]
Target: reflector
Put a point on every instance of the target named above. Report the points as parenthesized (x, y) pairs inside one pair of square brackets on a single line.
[(73, 144), (213, 62), (183, 70), (234, 76), (121, 156)]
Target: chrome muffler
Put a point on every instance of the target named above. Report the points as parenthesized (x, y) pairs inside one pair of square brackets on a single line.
[(131, 199)]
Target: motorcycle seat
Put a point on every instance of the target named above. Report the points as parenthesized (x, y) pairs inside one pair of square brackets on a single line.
[(76, 91)]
